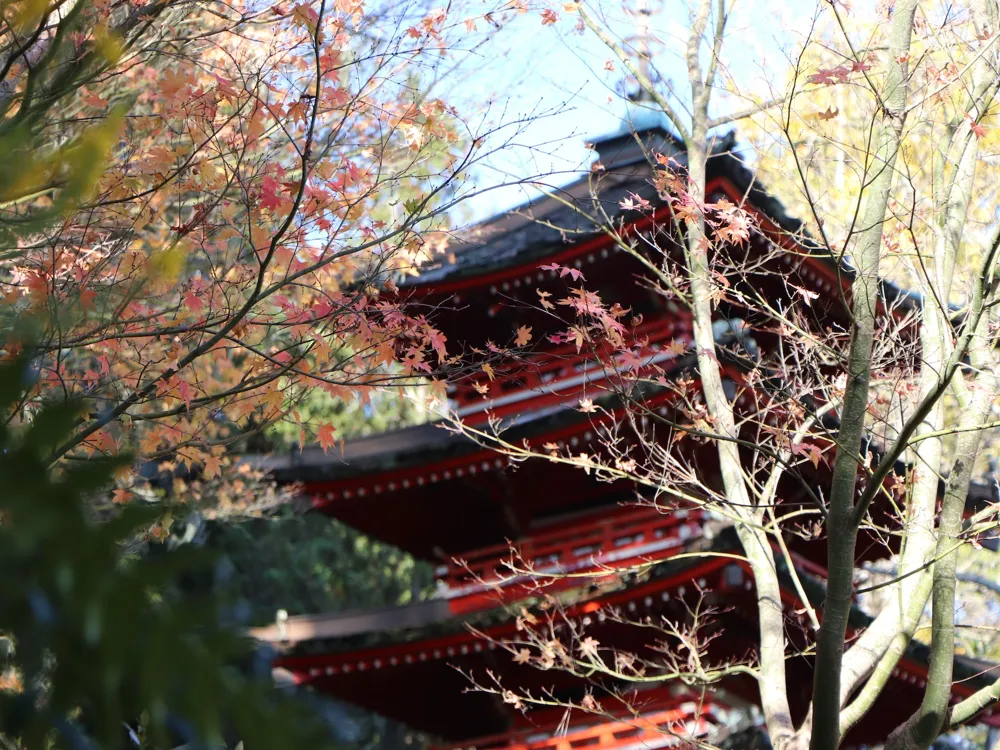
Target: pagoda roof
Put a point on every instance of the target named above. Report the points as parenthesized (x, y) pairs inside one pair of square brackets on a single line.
[(433, 442), (537, 228), (347, 632), (434, 644), (433, 484)]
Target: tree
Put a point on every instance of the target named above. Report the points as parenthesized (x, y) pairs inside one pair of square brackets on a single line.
[(212, 203), (105, 651), (893, 396)]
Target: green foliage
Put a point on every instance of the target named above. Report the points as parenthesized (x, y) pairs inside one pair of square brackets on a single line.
[(311, 564), (384, 410), (308, 564), (56, 162), (96, 640)]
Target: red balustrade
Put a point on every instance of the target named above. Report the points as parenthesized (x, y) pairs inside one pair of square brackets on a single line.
[(564, 372), (667, 728), (596, 546)]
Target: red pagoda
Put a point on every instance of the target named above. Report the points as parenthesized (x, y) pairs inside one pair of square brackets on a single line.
[(445, 499)]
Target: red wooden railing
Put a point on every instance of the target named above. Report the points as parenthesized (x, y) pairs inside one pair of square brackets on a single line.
[(668, 728), (566, 370), (600, 545)]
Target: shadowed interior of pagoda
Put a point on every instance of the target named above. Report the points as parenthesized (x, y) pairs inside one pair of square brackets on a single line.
[(393, 678)]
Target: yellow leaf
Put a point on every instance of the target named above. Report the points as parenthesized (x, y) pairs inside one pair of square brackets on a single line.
[(166, 265), (27, 14), (108, 43)]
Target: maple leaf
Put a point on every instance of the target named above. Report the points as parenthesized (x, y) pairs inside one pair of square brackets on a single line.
[(212, 467), (438, 390), (828, 76), (549, 17), (150, 442), (488, 369), (269, 197), (437, 340), (523, 335), (185, 392), (587, 406), (272, 400), (523, 656), (325, 436), (543, 299), (483, 389), (306, 16), (676, 347), (192, 301), (807, 294), (829, 114), (121, 497), (588, 647), (976, 127), (810, 451), (632, 360), (634, 203), (574, 273), (734, 227)]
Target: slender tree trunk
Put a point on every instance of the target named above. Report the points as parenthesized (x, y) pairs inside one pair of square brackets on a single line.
[(842, 524), (923, 727), (772, 683)]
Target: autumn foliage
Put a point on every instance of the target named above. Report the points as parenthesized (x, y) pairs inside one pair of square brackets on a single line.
[(211, 204)]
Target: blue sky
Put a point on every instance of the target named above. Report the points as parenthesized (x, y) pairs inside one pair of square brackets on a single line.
[(557, 79)]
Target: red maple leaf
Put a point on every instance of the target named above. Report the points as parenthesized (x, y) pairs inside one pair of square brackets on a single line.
[(269, 197), (976, 127), (564, 271), (325, 436)]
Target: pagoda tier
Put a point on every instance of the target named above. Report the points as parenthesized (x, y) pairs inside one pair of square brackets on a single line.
[(667, 718), (603, 545), (440, 495), (384, 661), (487, 288)]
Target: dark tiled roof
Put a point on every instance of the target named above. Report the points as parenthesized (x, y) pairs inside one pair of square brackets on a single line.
[(419, 445), (544, 225), (534, 229), (417, 622)]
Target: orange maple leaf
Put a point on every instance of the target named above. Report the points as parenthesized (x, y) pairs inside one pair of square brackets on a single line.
[(523, 335), (325, 436)]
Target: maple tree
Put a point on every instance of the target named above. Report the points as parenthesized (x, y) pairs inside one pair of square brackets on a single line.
[(212, 206), (878, 408)]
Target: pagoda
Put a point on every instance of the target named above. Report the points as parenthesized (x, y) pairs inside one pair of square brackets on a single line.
[(448, 500)]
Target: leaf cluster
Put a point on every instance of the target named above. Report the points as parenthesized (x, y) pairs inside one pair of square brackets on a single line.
[(104, 650)]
